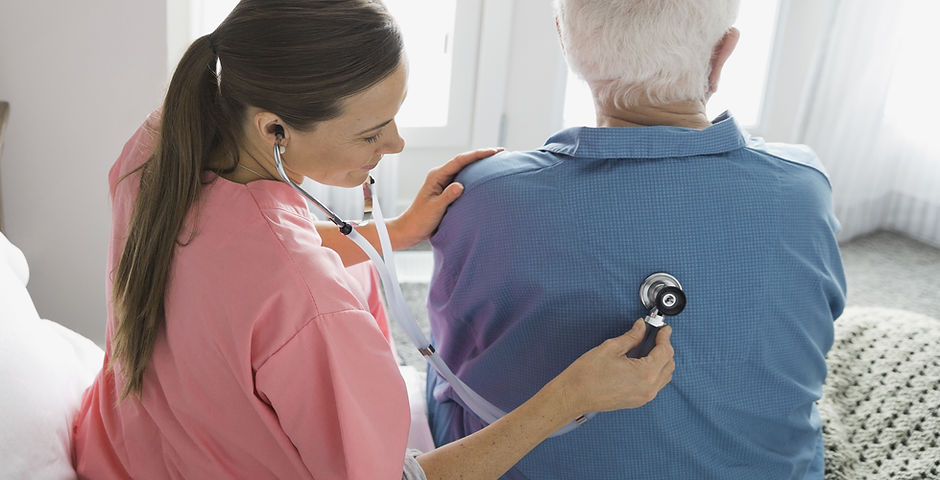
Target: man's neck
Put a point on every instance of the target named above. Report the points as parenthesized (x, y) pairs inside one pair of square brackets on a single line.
[(687, 114)]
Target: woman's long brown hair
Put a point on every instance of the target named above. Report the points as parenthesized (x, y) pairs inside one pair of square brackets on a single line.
[(298, 59)]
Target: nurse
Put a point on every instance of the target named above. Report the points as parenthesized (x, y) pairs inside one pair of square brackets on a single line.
[(238, 344)]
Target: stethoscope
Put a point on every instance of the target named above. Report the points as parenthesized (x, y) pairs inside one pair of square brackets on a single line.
[(663, 290), (663, 296)]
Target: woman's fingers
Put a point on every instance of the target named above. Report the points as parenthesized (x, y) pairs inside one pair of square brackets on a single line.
[(442, 176), (664, 354), (427, 209), (630, 339), (653, 371), (606, 379), (454, 166), (451, 193), (663, 351)]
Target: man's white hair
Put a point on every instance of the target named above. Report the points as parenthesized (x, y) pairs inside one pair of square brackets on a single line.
[(630, 49)]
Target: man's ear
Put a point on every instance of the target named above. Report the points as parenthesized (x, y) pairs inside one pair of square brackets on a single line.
[(720, 55), (561, 41)]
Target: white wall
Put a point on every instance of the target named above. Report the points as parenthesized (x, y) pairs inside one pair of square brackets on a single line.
[(80, 76)]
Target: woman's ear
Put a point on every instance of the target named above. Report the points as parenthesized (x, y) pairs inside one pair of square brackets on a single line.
[(266, 124), (720, 55)]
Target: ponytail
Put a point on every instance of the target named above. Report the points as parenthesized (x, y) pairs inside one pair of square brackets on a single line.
[(169, 186), (296, 58)]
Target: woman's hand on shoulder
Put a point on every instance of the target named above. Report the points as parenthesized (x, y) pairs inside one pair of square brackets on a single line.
[(421, 219), (605, 379)]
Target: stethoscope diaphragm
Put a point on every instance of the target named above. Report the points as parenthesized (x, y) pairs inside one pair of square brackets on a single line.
[(661, 294)]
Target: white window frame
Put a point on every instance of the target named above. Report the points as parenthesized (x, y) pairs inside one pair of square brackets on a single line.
[(466, 42)]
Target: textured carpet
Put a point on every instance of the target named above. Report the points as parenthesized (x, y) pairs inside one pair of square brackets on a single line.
[(880, 402), (886, 269)]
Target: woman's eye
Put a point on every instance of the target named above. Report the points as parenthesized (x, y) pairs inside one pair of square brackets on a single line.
[(373, 138)]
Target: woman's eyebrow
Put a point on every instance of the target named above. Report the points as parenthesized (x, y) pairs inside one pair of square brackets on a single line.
[(375, 127)]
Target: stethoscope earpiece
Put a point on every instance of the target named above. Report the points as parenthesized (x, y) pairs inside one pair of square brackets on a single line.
[(278, 136)]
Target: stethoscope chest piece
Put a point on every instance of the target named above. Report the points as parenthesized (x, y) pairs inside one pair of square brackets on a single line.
[(661, 294)]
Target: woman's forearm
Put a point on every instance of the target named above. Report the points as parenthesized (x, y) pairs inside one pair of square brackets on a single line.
[(418, 222), (603, 379), (348, 251), (492, 451)]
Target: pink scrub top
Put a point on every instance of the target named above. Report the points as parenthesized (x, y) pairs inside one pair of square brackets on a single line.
[(270, 364)]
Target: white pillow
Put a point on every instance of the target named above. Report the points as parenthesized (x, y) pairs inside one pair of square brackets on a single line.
[(44, 369), (15, 304)]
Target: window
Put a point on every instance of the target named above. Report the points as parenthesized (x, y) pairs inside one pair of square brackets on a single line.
[(743, 81), (745, 75), (430, 52), (441, 51)]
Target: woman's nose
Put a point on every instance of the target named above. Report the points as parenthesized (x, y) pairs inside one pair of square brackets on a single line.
[(395, 142)]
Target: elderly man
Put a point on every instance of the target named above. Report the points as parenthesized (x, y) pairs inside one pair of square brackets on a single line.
[(544, 253)]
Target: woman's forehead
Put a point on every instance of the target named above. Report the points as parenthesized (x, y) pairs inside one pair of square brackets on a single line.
[(376, 104)]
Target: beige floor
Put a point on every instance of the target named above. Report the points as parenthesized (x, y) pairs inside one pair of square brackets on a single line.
[(886, 269)]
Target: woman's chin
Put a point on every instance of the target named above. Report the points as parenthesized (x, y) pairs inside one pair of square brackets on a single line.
[(356, 179)]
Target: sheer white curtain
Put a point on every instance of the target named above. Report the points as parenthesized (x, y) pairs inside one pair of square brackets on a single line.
[(872, 117), (348, 202)]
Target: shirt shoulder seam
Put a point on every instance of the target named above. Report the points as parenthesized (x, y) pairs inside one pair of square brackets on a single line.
[(499, 175), (315, 319), (755, 148)]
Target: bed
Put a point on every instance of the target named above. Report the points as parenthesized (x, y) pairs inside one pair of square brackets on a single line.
[(44, 368)]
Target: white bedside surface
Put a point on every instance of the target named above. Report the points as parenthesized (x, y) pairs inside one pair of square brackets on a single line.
[(414, 266)]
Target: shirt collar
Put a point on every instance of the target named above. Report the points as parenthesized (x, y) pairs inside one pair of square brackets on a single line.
[(267, 194), (724, 135)]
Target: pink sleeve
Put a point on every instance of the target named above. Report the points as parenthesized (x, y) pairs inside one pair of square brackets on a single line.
[(366, 274), (137, 150), (339, 398)]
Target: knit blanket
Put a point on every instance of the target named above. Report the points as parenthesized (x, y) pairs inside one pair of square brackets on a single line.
[(881, 399)]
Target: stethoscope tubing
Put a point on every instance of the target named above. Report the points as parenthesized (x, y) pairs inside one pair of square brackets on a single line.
[(385, 266), (344, 226)]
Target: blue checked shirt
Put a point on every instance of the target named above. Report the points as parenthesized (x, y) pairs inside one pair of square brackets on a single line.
[(542, 258)]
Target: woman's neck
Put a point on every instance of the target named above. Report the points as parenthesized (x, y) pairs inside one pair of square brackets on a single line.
[(249, 169), (687, 114)]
